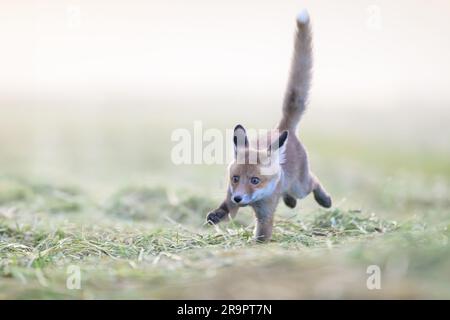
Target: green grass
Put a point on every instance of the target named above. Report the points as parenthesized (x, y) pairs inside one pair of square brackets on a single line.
[(142, 242), (134, 224)]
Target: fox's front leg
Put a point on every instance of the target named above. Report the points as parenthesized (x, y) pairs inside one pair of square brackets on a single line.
[(227, 207), (264, 212)]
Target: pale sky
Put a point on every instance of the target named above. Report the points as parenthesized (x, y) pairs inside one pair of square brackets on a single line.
[(363, 49)]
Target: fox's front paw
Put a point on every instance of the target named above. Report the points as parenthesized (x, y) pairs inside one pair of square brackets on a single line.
[(216, 216)]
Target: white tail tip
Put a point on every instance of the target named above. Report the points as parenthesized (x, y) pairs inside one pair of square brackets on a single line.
[(303, 16)]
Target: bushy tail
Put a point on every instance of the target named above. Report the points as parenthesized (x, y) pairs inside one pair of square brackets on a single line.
[(296, 95)]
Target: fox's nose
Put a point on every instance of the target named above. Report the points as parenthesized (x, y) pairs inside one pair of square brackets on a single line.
[(237, 199)]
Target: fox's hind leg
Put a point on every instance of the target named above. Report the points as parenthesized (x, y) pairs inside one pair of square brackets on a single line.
[(320, 194), (289, 200)]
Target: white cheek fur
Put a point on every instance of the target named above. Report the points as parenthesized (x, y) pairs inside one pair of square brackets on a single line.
[(266, 192)]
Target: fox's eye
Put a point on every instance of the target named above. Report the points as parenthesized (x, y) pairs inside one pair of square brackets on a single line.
[(254, 180), (235, 179)]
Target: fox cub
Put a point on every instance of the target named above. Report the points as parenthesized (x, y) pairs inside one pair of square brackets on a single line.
[(275, 166)]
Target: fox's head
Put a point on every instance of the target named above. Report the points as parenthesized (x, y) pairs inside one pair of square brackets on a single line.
[(255, 172)]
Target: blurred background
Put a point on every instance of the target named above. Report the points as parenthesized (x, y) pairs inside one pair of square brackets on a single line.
[(89, 83), (90, 92)]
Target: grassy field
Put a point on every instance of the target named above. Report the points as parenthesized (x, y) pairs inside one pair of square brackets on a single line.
[(101, 195)]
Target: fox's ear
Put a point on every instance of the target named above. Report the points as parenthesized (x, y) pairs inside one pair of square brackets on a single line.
[(239, 138), (279, 145)]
